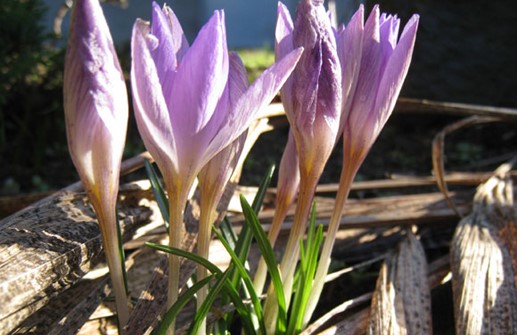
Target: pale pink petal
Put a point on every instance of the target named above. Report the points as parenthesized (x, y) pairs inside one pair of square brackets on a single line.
[(288, 173)]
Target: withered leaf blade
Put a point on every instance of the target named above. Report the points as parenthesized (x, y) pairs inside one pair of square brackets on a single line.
[(438, 152), (483, 261), (401, 303)]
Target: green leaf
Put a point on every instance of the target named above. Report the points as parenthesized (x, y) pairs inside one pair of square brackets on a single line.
[(158, 191), (261, 193), (173, 312), (309, 253), (269, 257), (247, 282), (209, 301), (228, 232), (182, 253), (229, 289), (243, 245)]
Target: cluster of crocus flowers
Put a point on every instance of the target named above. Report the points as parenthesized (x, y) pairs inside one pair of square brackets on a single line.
[(96, 113), (193, 104), (190, 103), (377, 62), (347, 78)]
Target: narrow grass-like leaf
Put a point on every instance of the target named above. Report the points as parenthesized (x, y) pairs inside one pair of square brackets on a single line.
[(269, 257), (261, 193), (182, 253), (247, 282), (245, 238), (158, 191), (229, 289), (228, 232), (173, 312), (209, 301), (309, 253)]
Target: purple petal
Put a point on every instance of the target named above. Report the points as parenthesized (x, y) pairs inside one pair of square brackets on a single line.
[(396, 71), (389, 30), (369, 74), (283, 32), (316, 81), (237, 79), (284, 45), (164, 54), (179, 40), (95, 99), (258, 95), (236, 85), (199, 84), (288, 173), (151, 111), (349, 48)]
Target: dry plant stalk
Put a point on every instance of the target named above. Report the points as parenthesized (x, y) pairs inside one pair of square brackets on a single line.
[(401, 302), (438, 152), (483, 261)]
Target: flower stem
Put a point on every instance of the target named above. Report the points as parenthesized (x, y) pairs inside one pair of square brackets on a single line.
[(291, 255), (177, 203), (108, 225), (203, 245), (346, 179)]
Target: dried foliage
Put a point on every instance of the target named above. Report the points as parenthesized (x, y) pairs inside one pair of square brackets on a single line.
[(401, 303), (483, 261)]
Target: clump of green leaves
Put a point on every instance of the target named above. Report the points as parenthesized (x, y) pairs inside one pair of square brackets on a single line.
[(235, 285)]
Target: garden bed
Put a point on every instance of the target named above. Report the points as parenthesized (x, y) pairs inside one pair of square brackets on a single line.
[(54, 282)]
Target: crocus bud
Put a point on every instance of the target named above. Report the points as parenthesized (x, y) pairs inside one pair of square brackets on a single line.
[(379, 65), (95, 101), (96, 114), (384, 66), (312, 95)]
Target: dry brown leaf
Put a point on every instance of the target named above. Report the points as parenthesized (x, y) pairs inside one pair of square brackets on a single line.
[(438, 155), (484, 282), (401, 303)]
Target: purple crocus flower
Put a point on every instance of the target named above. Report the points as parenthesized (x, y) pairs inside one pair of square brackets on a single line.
[(96, 114), (312, 101), (312, 95), (377, 63), (182, 93), (384, 64), (213, 178), (186, 105)]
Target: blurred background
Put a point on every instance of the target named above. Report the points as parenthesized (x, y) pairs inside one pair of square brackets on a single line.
[(466, 51)]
